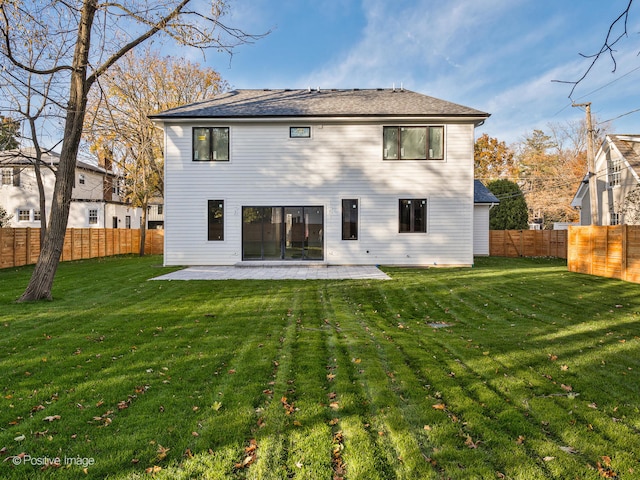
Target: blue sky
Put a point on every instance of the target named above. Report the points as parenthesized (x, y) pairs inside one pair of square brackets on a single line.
[(498, 56)]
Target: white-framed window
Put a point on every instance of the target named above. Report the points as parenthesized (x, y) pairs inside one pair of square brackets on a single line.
[(127, 221), (614, 171), (81, 179), (7, 176), (36, 216), (93, 216), (614, 218), (24, 215)]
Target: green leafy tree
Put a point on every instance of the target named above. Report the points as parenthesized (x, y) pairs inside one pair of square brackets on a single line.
[(512, 212), (492, 159)]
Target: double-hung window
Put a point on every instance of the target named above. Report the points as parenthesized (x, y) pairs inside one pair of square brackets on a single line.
[(413, 143), (413, 215), (614, 171), (211, 144), (7, 176)]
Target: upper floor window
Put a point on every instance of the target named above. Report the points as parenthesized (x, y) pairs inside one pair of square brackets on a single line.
[(299, 132), (413, 143), (614, 171), (7, 176), (81, 179), (211, 144)]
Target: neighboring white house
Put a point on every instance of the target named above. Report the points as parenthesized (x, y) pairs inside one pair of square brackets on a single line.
[(617, 170), (483, 200), (378, 176), (95, 201)]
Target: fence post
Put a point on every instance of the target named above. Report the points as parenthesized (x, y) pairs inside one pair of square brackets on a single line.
[(623, 260)]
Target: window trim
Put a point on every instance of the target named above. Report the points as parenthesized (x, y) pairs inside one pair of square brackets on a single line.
[(614, 172), (211, 145), (399, 140), (354, 205), (92, 216), (21, 212), (412, 216)]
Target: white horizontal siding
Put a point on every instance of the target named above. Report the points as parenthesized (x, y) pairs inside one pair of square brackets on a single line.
[(339, 161), (481, 229)]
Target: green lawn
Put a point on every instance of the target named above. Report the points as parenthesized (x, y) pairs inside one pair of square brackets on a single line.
[(512, 369)]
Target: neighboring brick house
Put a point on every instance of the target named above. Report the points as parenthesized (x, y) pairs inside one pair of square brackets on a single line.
[(378, 176)]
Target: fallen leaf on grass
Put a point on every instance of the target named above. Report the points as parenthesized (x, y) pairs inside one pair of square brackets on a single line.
[(593, 405), (439, 406), (548, 459), (553, 358), (566, 388), (569, 450), (333, 421), (153, 470), (520, 440), (470, 443), (162, 452), (51, 418), (427, 428)]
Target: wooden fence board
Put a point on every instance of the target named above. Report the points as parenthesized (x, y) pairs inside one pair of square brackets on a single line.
[(21, 246), (612, 251), (528, 243)]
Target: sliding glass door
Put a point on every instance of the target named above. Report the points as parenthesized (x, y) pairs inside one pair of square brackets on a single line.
[(282, 233)]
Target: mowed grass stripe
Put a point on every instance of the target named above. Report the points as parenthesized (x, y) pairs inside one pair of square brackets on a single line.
[(537, 372)]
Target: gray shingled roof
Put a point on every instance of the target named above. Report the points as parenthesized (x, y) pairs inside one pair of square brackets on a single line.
[(26, 157), (320, 103), (630, 150), (482, 194)]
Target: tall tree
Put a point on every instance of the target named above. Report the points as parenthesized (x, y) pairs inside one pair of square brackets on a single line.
[(512, 212), (78, 42), (117, 123), (493, 159), (551, 166)]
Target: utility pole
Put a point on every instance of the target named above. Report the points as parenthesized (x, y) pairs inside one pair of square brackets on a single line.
[(593, 186)]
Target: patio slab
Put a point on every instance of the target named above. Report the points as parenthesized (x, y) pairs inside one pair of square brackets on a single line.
[(276, 272)]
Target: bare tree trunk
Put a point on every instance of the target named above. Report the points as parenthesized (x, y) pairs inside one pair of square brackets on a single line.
[(41, 282), (143, 225)]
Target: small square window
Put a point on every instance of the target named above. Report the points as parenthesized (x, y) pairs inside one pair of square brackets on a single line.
[(81, 179), (24, 215), (93, 216), (299, 132)]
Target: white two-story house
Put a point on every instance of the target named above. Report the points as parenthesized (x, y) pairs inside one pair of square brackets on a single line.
[(617, 172), (96, 201), (377, 176)]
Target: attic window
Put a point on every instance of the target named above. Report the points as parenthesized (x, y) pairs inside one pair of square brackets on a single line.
[(7, 176), (299, 132)]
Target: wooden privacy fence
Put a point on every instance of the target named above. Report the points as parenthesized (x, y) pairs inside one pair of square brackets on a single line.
[(528, 243), (21, 246), (612, 252)]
